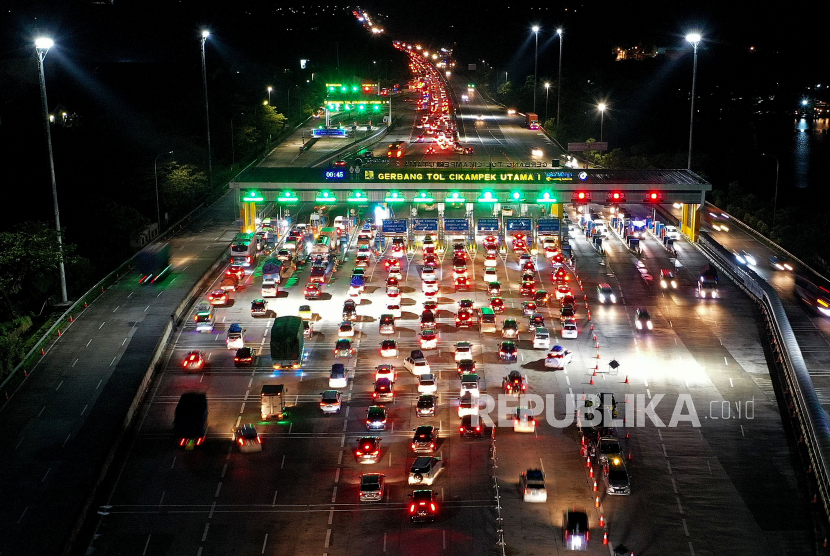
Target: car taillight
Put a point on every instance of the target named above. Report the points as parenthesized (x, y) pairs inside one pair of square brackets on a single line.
[(412, 509), (359, 453), (259, 440), (183, 441), (432, 507), (241, 441), (567, 534), (184, 364), (431, 445), (461, 429)]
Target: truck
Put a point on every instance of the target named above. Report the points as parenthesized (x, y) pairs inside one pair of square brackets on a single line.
[(272, 401), (153, 262), (532, 120), (707, 284), (190, 421), (287, 343), (271, 277)]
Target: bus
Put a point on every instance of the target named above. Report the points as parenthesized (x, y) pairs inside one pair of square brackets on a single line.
[(815, 292), (243, 250)]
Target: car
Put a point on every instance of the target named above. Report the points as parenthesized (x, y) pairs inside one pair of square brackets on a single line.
[(431, 305), (394, 310), (567, 313), (425, 439), (562, 290), (383, 392), (749, 258), (218, 297), (491, 275), (236, 336), (417, 366), (340, 164), (523, 420), (424, 470), (368, 448), (427, 319), (497, 304), (284, 255), (389, 348), (465, 366), (376, 418), (615, 475), (536, 151), (461, 284), (527, 266), (508, 352), (372, 487), (470, 385), (236, 270), (468, 404), (780, 263), (312, 290), (534, 321), (532, 483), (204, 318), (459, 272), (527, 289), (575, 530), (229, 282), (510, 329), (193, 360), (259, 308), (519, 246), (643, 320), (463, 350), (528, 308), (569, 330), (541, 338), (425, 406), (514, 383), (667, 279), (605, 293), (384, 370), (491, 260), (246, 439), (392, 282), (337, 376), (343, 348), (244, 357), (346, 330), (608, 447), (558, 357), (428, 273), (471, 426), (427, 384), (330, 401), (423, 507), (362, 260), (386, 324), (428, 338), (671, 232), (349, 312), (430, 286)]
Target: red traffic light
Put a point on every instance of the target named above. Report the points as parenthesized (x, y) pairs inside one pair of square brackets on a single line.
[(615, 197), (653, 197), (581, 197)]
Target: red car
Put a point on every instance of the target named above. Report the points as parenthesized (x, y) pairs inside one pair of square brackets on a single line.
[(497, 304), (461, 284), (519, 246), (528, 266), (560, 276), (237, 271), (218, 297), (312, 291), (193, 360)]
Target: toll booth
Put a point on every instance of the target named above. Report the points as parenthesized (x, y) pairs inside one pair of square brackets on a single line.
[(395, 228), (422, 227)]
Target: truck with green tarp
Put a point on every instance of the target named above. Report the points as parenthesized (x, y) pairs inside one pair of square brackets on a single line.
[(287, 343)]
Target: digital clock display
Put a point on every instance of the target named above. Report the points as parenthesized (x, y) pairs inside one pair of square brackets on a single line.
[(336, 174)]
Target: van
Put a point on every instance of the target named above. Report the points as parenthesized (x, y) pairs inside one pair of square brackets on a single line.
[(541, 338), (488, 320), (340, 223)]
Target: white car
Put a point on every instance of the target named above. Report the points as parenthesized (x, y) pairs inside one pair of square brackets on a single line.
[(491, 261), (536, 151), (523, 420), (417, 367), (430, 286), (532, 483), (469, 385), (346, 330), (428, 274), (428, 339), (541, 338), (671, 232), (385, 371), (389, 348), (355, 291), (558, 357), (394, 310), (463, 350), (338, 378), (427, 384), (490, 275), (569, 330), (330, 401), (468, 405), (605, 293)]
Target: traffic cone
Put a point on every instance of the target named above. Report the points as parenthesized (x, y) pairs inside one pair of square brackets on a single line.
[(592, 381), (598, 355), (71, 319), (596, 502), (59, 332), (42, 351), (605, 538), (102, 289), (630, 457), (588, 462), (591, 473), (592, 327), (595, 485), (601, 520), (627, 434), (626, 379)]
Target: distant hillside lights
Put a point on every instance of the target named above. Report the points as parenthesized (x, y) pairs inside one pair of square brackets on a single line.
[(638, 52)]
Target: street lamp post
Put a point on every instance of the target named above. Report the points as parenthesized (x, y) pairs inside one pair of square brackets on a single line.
[(535, 30), (547, 91), (42, 46), (156, 174), (559, 85), (601, 106), (269, 95), (775, 201), (205, 35), (693, 38)]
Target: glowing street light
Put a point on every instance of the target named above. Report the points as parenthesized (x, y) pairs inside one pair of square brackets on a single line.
[(547, 91), (601, 107), (205, 35), (535, 30), (559, 85), (695, 39)]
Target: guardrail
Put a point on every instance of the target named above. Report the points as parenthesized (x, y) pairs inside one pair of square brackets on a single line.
[(77, 308), (805, 410)]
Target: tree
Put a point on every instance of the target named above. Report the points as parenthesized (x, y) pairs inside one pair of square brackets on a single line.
[(29, 252), (271, 121), (182, 186)]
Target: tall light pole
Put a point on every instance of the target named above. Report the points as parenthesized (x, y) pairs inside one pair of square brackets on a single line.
[(775, 202), (205, 35), (559, 85), (601, 107), (42, 46), (535, 30), (547, 91), (693, 38), (156, 174), (269, 95)]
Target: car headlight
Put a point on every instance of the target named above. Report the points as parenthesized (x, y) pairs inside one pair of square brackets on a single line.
[(601, 298), (650, 326), (674, 284), (613, 299), (639, 325)]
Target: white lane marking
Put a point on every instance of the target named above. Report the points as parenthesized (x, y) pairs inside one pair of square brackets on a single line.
[(218, 488), (102, 325), (212, 508), (264, 542), (333, 495), (163, 492), (146, 544), (204, 535), (283, 463), (173, 463), (337, 475), (116, 308), (679, 506), (224, 470), (328, 537), (89, 342), (274, 500), (59, 386), (685, 527)]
